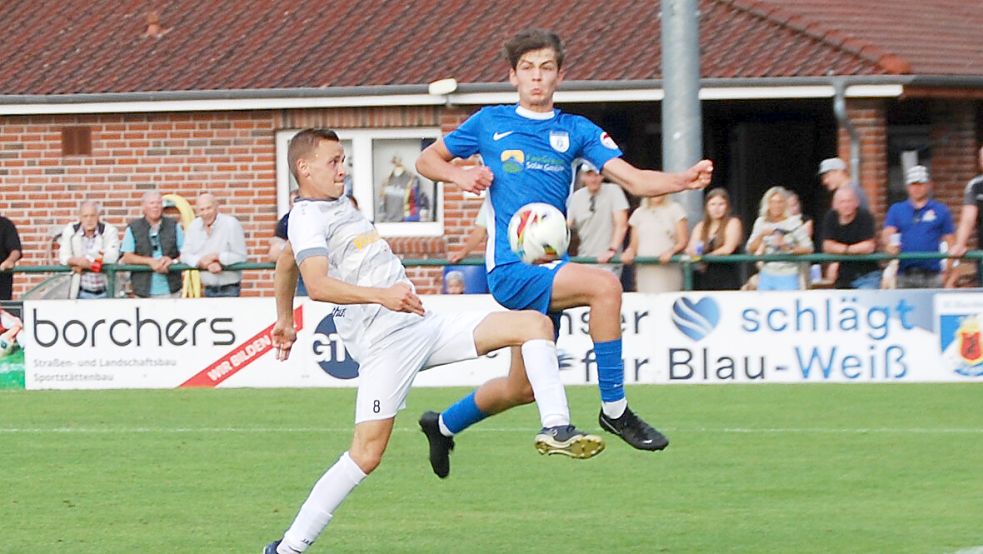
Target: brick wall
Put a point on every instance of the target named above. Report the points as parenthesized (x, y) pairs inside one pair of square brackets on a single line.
[(869, 119), (228, 153), (231, 154), (954, 151)]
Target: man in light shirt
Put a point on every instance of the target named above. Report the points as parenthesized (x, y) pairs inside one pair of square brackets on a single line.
[(85, 245), (598, 213), (215, 240)]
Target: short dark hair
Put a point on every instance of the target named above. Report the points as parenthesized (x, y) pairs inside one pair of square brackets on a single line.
[(533, 39), (304, 142)]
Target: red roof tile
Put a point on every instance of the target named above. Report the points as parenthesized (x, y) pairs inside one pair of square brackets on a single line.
[(80, 46)]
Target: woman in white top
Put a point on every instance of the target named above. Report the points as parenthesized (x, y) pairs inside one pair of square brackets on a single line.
[(776, 231), (658, 228)]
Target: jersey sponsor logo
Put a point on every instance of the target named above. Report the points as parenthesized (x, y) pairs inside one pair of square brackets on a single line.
[(606, 140), (500, 136), (560, 140), (545, 162), (329, 352), (365, 239), (513, 160)]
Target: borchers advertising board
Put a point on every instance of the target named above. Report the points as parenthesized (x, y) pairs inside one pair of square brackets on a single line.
[(696, 337), (220, 342)]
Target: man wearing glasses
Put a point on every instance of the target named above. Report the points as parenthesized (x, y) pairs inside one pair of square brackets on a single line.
[(155, 241), (598, 214)]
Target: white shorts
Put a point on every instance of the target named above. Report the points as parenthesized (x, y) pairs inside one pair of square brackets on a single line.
[(388, 369)]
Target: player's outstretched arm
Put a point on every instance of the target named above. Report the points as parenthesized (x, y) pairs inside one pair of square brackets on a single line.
[(398, 298), (647, 182), (435, 164)]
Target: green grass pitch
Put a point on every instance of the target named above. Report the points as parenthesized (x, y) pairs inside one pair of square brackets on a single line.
[(763, 468)]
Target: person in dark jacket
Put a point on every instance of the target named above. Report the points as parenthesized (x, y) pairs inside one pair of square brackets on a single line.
[(156, 241)]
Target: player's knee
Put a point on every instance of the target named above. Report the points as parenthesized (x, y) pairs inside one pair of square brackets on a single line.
[(367, 457), (609, 283), (536, 325), (607, 288)]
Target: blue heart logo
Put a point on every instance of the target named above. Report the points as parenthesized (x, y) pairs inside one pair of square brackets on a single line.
[(695, 319)]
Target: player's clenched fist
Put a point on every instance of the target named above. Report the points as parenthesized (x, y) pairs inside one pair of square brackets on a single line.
[(698, 176), (474, 179), (401, 298)]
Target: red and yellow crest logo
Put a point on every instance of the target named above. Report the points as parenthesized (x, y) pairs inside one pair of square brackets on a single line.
[(968, 335)]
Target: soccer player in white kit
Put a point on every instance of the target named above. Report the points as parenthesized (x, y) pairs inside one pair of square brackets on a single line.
[(384, 325)]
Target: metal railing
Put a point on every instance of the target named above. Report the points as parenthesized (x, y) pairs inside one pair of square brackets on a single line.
[(684, 260), (688, 262)]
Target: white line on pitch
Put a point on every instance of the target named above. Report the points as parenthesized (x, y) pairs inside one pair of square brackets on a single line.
[(767, 430)]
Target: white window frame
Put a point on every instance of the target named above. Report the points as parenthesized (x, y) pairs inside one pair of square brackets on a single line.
[(362, 178)]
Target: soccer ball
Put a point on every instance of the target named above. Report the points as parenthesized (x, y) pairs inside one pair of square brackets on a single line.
[(6, 347), (538, 232)]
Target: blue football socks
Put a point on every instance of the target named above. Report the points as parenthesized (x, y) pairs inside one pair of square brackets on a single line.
[(462, 414), (610, 370)]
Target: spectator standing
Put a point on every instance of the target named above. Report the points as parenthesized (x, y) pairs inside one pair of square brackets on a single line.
[(918, 224), (10, 253), (971, 214), (153, 240), (776, 231), (215, 240), (849, 229), (658, 228), (833, 174), (718, 234), (85, 246), (598, 213)]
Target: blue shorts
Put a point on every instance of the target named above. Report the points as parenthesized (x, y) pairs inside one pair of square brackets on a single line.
[(520, 286)]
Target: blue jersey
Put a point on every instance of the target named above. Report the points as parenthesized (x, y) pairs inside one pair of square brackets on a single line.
[(531, 155), (921, 230)]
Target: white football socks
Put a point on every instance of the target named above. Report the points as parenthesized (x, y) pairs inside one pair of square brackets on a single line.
[(443, 427), (615, 409), (328, 493), (543, 371)]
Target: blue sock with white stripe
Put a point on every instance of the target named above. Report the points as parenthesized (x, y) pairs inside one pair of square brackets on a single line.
[(462, 414), (611, 376)]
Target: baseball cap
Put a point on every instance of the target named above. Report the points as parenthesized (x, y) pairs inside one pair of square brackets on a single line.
[(585, 167), (916, 174), (831, 164)]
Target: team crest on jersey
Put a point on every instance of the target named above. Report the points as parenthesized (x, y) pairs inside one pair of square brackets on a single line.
[(513, 160), (560, 140), (606, 140)]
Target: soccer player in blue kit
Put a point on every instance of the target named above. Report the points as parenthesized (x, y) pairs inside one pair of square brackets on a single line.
[(529, 150)]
